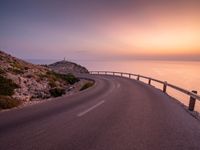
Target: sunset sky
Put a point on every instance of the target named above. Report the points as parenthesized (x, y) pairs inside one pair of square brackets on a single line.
[(101, 29)]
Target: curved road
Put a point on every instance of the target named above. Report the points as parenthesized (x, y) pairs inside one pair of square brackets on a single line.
[(115, 114)]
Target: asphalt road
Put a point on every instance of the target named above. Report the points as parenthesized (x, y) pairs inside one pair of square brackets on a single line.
[(115, 114)]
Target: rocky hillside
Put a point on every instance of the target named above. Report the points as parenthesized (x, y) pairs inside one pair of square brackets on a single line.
[(67, 67), (23, 81)]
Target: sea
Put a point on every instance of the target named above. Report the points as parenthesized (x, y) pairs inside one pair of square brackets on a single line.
[(184, 74)]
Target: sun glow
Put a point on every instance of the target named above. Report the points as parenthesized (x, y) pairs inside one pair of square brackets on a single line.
[(159, 37), (117, 29)]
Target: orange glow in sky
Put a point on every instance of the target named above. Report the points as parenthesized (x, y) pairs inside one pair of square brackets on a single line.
[(163, 34), (99, 29)]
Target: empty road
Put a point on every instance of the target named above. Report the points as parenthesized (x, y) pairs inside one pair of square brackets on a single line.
[(115, 114)]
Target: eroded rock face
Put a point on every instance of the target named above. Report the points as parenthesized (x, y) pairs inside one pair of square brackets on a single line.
[(27, 76), (68, 67), (32, 88), (34, 81)]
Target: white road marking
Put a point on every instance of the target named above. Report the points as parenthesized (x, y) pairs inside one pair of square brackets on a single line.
[(90, 109)]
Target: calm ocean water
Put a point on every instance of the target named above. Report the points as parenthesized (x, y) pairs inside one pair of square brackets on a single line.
[(185, 74)]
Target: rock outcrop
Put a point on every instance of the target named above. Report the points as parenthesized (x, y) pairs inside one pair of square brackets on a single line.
[(67, 67), (33, 81)]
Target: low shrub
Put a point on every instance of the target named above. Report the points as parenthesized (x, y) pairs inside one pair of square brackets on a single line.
[(8, 102), (55, 92), (86, 85), (42, 76), (16, 70), (7, 86), (2, 71), (30, 76), (26, 68), (52, 83), (17, 65), (69, 78)]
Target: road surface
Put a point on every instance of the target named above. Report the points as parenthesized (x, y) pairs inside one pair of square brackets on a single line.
[(115, 114)]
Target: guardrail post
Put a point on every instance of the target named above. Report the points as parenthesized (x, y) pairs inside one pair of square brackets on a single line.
[(192, 102), (98, 72), (113, 73), (165, 87), (121, 74), (149, 81), (138, 77), (129, 75), (105, 72)]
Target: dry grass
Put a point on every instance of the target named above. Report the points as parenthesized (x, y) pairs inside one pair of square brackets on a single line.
[(8, 102), (86, 85), (7, 86)]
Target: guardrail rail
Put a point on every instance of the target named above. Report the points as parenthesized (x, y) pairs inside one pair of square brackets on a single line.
[(192, 94)]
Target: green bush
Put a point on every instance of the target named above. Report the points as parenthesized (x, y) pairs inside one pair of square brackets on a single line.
[(17, 65), (2, 71), (86, 85), (26, 68), (52, 83), (8, 102), (30, 76), (7, 86), (16, 70), (69, 78), (55, 92), (42, 75)]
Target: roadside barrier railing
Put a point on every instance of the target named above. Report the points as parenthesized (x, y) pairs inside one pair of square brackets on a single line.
[(192, 94)]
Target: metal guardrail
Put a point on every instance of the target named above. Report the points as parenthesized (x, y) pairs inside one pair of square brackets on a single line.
[(193, 94)]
